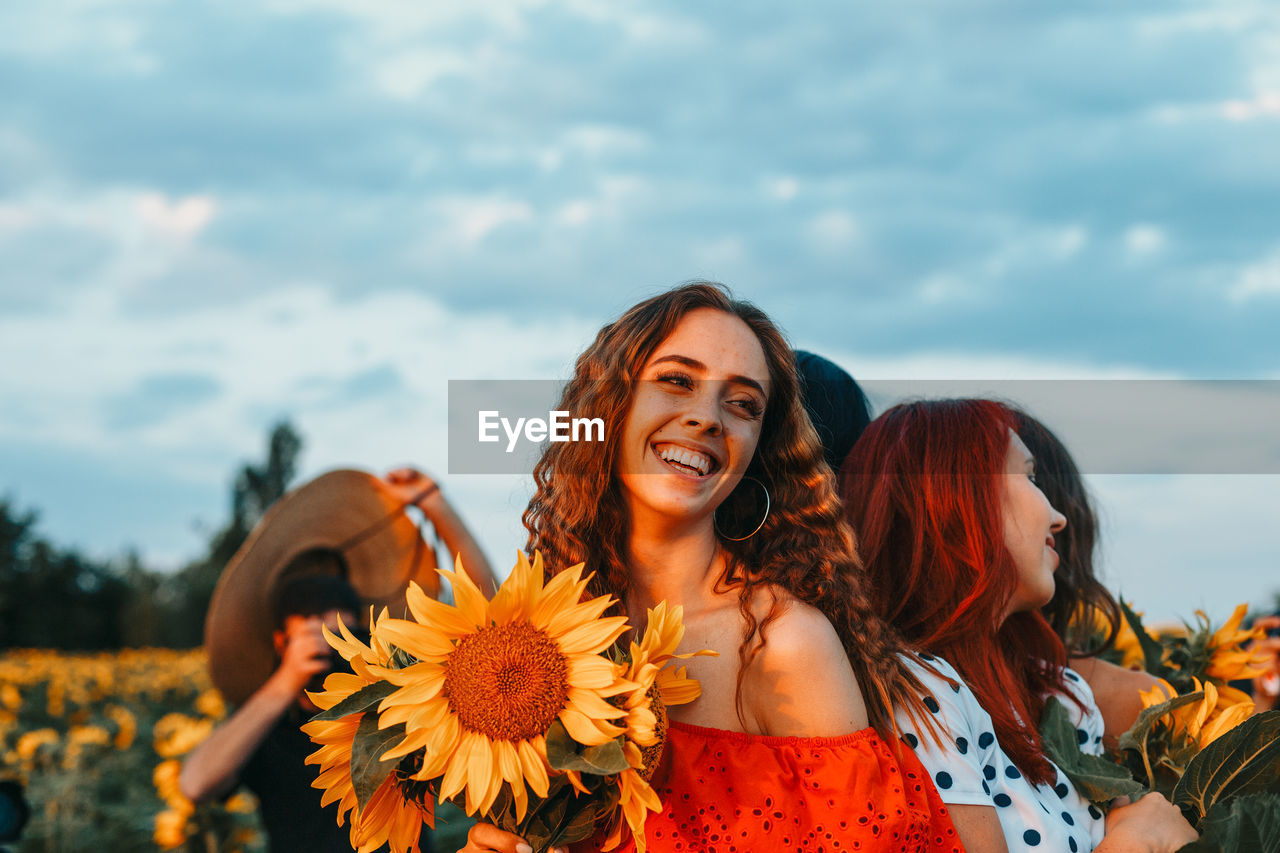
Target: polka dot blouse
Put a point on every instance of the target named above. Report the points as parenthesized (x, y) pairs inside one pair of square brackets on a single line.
[(725, 791), (972, 769)]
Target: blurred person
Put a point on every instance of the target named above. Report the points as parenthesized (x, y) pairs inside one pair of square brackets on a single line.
[(835, 404), (958, 544), (1080, 600), (1265, 687), (324, 552)]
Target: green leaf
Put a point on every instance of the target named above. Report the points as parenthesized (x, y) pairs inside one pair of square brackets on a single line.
[(364, 699), (1152, 651), (368, 770), (564, 753), (1097, 779), (607, 759), (400, 659), (1138, 734), (1250, 823), (542, 824), (1245, 760), (580, 825)]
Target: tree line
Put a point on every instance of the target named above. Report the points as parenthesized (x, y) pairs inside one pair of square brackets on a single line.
[(54, 597)]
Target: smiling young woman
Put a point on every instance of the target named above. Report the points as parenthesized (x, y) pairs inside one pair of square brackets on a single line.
[(789, 743)]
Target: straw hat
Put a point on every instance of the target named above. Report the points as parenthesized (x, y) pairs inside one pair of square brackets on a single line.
[(348, 510)]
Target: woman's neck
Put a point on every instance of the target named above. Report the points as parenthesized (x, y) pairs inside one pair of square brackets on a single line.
[(677, 567)]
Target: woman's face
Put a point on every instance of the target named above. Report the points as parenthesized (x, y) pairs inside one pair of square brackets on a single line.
[(1029, 525), (695, 418)]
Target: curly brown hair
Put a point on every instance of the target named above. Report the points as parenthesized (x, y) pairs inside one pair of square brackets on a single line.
[(577, 513)]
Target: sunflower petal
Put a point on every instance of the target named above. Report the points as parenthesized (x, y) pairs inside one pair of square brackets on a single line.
[(591, 672), (587, 731)]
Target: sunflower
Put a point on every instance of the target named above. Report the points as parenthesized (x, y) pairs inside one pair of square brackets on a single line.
[(393, 814), (489, 678), (177, 734), (171, 828), (1201, 723), (1228, 660), (657, 687)]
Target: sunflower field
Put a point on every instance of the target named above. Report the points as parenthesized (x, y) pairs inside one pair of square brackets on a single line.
[(96, 740)]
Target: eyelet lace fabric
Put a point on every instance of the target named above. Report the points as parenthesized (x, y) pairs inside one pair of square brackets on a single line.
[(727, 792)]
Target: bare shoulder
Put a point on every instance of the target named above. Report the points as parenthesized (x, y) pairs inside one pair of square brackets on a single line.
[(800, 682), (800, 631)]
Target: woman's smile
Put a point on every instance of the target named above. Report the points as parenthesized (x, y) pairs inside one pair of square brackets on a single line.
[(686, 459)]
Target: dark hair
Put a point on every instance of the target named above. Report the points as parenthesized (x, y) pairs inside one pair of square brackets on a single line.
[(1078, 595), (835, 403), (922, 492), (577, 513), (315, 582)]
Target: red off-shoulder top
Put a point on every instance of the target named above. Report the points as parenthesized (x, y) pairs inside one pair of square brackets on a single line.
[(726, 791)]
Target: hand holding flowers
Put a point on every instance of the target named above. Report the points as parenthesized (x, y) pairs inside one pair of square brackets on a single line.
[(518, 708), (1198, 741)]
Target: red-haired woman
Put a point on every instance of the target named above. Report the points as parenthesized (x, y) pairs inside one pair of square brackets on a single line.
[(958, 545), (788, 746), (1079, 599)]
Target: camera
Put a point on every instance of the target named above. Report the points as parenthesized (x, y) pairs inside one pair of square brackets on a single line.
[(337, 663)]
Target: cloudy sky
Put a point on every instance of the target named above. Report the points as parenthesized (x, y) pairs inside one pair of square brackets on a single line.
[(214, 215)]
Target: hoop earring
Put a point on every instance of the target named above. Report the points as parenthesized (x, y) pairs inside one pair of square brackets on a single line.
[(767, 504)]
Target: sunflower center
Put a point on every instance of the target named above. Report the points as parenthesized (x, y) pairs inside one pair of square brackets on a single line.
[(652, 754), (507, 682)]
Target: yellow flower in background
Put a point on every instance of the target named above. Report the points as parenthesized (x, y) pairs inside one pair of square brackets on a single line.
[(78, 739), (1126, 640), (492, 676), (165, 779), (1201, 723), (1228, 660), (393, 813), (211, 704), (30, 742), (171, 828), (241, 803), (177, 734), (10, 697), (126, 725), (56, 698)]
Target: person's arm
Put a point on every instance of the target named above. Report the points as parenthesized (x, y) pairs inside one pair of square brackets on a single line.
[(979, 828), (1115, 689), (409, 484), (212, 770)]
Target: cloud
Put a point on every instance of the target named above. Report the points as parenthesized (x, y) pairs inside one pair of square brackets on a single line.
[(155, 398), (834, 230), (1143, 239), (325, 208), (476, 150), (182, 217), (1257, 280)]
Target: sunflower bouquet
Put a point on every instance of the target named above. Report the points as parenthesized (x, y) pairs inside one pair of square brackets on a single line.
[(1197, 739), (523, 710)]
